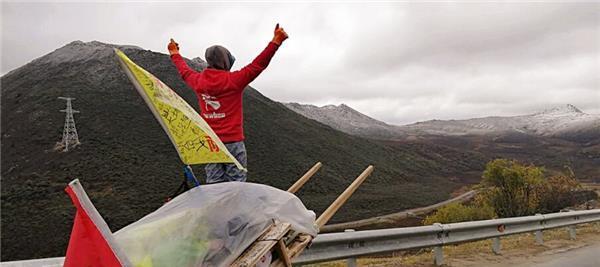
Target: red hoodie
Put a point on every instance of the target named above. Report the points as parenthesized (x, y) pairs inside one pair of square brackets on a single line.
[(219, 93)]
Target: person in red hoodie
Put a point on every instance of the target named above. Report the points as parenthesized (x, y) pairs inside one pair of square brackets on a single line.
[(219, 93)]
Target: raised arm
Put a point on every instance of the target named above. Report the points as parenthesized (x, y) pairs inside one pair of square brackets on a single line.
[(187, 74), (248, 73)]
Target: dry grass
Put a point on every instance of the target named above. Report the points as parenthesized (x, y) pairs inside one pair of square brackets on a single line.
[(479, 253)]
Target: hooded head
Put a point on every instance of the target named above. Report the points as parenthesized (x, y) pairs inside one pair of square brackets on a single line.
[(219, 57)]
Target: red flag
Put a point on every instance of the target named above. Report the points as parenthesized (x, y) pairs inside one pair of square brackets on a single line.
[(91, 243)]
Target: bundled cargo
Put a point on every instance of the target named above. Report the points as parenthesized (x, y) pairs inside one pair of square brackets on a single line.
[(222, 224), (211, 225)]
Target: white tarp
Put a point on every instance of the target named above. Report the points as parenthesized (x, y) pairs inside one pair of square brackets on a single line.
[(211, 225)]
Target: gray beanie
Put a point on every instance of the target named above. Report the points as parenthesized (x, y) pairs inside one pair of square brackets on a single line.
[(219, 57)]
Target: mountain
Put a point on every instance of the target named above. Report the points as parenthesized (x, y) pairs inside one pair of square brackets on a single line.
[(567, 122), (346, 119), (554, 138), (129, 167)]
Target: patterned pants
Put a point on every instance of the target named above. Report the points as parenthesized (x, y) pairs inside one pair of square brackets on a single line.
[(228, 172)]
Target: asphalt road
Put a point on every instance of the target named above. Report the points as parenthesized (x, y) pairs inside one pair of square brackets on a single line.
[(588, 256)]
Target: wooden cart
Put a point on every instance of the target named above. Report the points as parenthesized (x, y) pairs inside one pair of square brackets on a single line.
[(281, 241)]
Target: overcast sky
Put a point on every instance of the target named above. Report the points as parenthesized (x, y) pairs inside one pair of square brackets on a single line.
[(396, 62)]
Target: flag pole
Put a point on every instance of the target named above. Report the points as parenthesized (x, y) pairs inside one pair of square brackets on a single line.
[(189, 174)]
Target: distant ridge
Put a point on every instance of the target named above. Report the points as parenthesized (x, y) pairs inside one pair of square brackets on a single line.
[(565, 109), (346, 119), (565, 121)]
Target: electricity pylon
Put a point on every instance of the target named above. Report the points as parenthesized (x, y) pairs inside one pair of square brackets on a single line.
[(70, 137)]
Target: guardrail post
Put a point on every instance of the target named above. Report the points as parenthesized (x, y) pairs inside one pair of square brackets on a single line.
[(350, 262), (539, 237), (496, 246), (438, 253), (572, 232)]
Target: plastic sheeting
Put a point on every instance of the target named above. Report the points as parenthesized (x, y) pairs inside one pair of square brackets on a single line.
[(211, 225)]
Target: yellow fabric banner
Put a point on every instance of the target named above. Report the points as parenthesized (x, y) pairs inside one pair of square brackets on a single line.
[(194, 140)]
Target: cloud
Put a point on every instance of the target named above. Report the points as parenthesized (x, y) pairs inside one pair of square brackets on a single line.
[(397, 62)]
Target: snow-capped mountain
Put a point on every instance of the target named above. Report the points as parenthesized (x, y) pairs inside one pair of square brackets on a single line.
[(346, 119), (92, 54), (81, 51), (563, 121)]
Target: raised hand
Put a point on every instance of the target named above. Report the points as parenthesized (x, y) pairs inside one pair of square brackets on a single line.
[(173, 47), (280, 35)]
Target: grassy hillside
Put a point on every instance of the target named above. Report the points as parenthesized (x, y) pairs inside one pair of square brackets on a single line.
[(554, 154), (128, 166)]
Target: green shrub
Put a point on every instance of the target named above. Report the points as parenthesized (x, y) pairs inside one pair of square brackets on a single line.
[(558, 192), (512, 188), (457, 212)]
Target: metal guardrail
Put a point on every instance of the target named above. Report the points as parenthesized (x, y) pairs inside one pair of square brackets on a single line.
[(335, 246), (47, 262)]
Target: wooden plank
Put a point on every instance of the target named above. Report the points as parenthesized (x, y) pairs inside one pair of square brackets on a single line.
[(253, 255), (294, 249), (274, 237), (262, 245), (298, 184), (282, 251), (277, 231), (303, 240), (341, 199)]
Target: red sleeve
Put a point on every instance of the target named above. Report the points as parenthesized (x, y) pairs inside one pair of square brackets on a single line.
[(189, 75), (248, 73)]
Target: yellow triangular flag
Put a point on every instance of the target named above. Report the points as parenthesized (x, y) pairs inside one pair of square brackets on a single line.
[(195, 141)]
